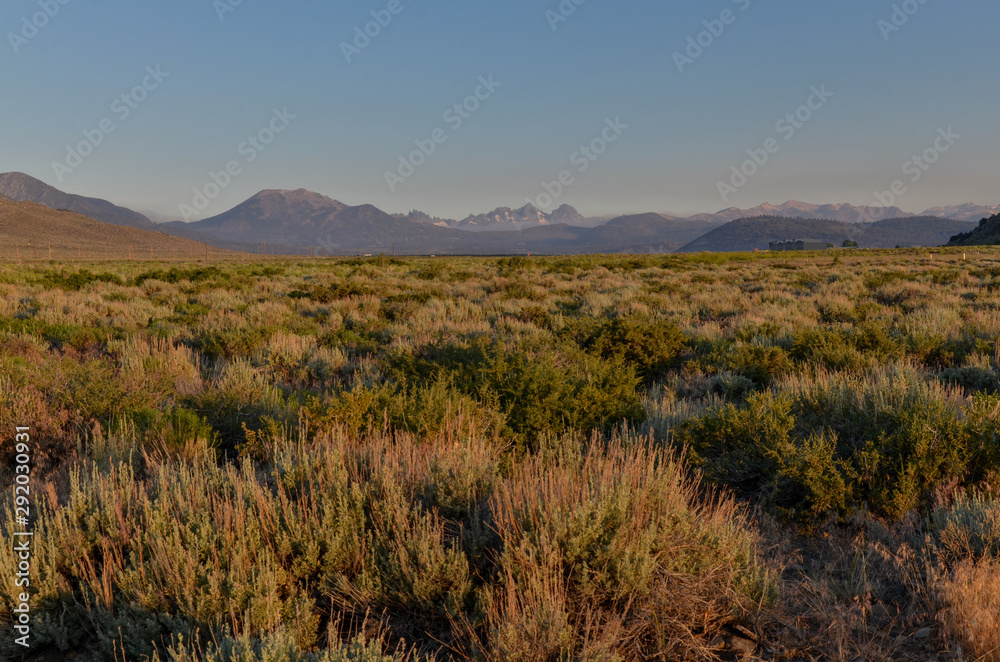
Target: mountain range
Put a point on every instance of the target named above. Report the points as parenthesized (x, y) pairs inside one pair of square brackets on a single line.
[(509, 219), (506, 218), (843, 213), (302, 221), (305, 222), (966, 212)]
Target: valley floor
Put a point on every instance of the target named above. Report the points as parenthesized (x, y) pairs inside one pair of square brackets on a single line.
[(685, 457)]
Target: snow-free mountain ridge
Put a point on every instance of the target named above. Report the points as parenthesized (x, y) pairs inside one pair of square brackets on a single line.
[(302, 221)]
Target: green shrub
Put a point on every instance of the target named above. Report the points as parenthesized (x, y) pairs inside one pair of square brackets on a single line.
[(240, 397), (827, 348), (431, 270), (729, 387), (758, 363), (811, 478), (76, 281), (539, 391), (741, 446), (230, 343), (981, 426), (902, 435), (876, 341), (837, 448), (177, 431), (176, 275), (973, 379), (516, 289), (512, 265), (651, 346)]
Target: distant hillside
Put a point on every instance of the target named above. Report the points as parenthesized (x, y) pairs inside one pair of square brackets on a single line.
[(987, 233), (31, 230), (644, 233), (912, 231), (750, 234), (23, 188)]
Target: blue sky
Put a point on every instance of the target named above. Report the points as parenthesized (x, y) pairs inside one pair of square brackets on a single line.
[(230, 66)]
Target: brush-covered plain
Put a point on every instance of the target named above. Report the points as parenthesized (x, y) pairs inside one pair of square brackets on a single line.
[(780, 457)]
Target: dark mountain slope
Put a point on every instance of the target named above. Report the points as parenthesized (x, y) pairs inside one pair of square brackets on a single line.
[(643, 233), (913, 231), (987, 233), (750, 234), (287, 217), (23, 188)]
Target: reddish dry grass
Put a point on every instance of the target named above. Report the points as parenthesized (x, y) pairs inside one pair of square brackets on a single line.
[(616, 554), (972, 612)]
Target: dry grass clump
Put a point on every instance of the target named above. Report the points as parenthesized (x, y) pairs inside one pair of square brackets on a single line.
[(613, 554), (609, 551), (9, 299), (971, 614), (278, 647)]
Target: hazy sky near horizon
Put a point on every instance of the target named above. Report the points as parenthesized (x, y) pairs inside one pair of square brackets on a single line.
[(228, 67)]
